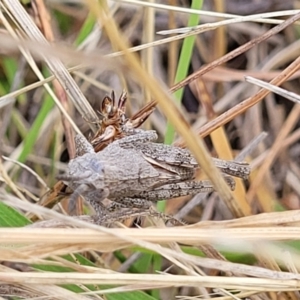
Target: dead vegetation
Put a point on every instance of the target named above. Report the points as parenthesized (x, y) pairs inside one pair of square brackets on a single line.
[(235, 245)]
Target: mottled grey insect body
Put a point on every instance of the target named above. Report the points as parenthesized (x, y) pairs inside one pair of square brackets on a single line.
[(134, 172), (116, 171), (176, 156)]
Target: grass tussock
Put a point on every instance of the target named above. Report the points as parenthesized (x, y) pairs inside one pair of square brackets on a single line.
[(59, 59)]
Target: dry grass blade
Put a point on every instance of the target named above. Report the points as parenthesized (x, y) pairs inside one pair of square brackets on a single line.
[(196, 146), (275, 89), (216, 257), (236, 52), (250, 147), (256, 18), (242, 283), (55, 65), (221, 143), (221, 120), (34, 291), (288, 126), (112, 239), (246, 104)]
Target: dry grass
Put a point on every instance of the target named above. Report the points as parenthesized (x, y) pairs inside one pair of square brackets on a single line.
[(240, 244)]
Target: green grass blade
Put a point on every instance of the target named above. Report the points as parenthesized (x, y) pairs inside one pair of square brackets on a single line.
[(183, 65), (11, 218), (181, 73), (86, 29), (33, 133)]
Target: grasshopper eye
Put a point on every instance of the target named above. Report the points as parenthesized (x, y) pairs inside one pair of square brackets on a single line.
[(97, 166)]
